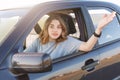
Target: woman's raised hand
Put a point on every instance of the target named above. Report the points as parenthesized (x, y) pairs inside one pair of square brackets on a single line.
[(107, 18)]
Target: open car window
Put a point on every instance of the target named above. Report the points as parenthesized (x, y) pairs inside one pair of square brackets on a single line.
[(40, 24), (73, 28)]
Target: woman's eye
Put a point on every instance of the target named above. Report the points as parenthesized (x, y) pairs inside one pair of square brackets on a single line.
[(59, 27), (51, 26)]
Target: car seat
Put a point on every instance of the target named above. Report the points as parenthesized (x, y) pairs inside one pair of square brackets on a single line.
[(32, 36)]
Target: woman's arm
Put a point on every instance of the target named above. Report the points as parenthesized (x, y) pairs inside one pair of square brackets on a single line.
[(87, 46)]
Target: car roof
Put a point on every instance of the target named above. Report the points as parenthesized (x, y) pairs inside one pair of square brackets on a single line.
[(28, 5)]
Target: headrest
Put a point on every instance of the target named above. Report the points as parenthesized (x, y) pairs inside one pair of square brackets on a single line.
[(69, 23), (37, 28)]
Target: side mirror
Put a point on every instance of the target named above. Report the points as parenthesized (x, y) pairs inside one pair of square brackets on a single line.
[(30, 63)]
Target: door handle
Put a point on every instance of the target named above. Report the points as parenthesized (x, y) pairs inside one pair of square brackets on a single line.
[(90, 65)]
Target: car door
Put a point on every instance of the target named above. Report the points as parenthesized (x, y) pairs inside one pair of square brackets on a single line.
[(13, 42), (108, 44)]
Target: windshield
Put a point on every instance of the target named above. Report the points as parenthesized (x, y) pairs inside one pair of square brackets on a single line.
[(8, 19)]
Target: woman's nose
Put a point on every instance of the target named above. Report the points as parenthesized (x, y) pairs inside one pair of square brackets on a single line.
[(55, 29)]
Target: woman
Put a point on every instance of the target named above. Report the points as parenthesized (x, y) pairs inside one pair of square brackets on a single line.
[(54, 40)]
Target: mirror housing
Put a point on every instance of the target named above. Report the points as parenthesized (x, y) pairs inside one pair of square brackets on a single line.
[(30, 63)]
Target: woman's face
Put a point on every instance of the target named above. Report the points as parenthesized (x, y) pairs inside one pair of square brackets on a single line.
[(54, 30)]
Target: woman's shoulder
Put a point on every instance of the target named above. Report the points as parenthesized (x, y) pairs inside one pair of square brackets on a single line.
[(37, 40)]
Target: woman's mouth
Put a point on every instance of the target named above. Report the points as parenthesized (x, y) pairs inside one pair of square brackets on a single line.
[(55, 34)]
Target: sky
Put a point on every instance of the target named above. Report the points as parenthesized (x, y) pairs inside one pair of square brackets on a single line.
[(4, 4)]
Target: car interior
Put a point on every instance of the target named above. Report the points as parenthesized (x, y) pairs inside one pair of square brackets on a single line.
[(68, 17)]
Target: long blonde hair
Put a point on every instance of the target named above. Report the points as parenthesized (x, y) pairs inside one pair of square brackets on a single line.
[(44, 36)]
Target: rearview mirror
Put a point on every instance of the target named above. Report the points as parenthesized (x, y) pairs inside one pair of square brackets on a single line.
[(30, 63)]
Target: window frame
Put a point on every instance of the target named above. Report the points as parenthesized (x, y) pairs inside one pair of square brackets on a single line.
[(109, 9)]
